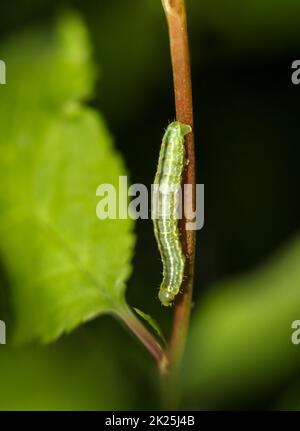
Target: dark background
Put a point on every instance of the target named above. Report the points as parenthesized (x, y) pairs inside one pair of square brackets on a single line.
[(246, 128)]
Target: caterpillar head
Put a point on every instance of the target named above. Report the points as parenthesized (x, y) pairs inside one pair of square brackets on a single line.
[(183, 129), (166, 298)]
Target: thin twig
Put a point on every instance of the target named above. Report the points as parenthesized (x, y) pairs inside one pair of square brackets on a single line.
[(169, 362), (146, 338), (176, 18)]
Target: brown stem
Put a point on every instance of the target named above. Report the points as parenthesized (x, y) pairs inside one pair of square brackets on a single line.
[(145, 337), (168, 363), (176, 18)]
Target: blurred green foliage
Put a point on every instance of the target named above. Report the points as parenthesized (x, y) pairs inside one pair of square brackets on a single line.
[(240, 342), (239, 353), (64, 265), (86, 370)]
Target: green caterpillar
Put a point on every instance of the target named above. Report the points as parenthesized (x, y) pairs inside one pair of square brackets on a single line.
[(168, 178)]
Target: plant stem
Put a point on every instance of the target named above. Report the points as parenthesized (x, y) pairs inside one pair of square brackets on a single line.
[(176, 18), (169, 362), (145, 337)]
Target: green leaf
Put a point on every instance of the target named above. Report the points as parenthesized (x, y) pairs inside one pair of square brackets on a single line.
[(50, 65), (64, 266), (152, 322), (240, 342)]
